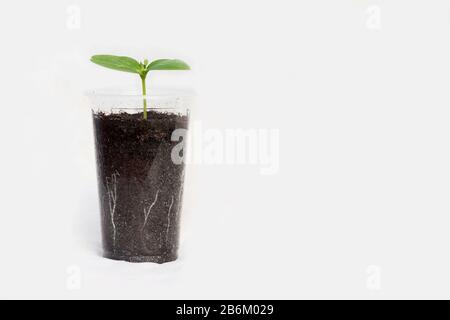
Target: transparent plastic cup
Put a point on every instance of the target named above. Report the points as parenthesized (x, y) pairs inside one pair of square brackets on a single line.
[(140, 171)]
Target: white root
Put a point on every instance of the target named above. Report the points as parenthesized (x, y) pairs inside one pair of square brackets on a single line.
[(148, 211), (180, 195), (168, 221), (111, 189)]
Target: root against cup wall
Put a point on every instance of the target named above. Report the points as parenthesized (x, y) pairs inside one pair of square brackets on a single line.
[(140, 188)]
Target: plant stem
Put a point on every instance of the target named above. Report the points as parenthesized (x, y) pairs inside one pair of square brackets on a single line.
[(144, 93)]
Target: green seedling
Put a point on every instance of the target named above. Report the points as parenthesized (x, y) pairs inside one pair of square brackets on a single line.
[(128, 64)]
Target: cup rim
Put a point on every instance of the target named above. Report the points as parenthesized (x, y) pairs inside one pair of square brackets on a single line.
[(155, 93)]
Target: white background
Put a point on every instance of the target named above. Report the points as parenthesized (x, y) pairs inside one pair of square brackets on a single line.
[(359, 208)]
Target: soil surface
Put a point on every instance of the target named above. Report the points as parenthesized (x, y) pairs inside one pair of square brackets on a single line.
[(140, 187)]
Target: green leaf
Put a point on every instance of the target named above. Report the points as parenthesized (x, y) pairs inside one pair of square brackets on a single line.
[(168, 64), (119, 63), (128, 64)]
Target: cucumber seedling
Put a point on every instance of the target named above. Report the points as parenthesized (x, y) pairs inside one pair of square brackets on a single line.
[(127, 64)]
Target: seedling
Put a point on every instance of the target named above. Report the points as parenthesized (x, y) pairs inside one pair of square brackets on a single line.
[(128, 64)]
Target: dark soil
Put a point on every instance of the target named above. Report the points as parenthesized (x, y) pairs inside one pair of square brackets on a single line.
[(140, 187)]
